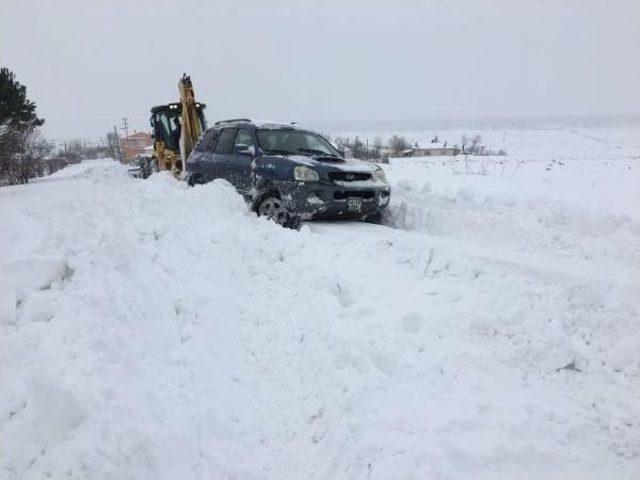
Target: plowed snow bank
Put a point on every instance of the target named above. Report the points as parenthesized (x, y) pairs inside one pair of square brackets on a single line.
[(149, 330)]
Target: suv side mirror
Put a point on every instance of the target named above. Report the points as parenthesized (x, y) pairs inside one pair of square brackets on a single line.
[(243, 149), (341, 152)]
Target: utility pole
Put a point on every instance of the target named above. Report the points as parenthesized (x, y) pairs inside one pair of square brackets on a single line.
[(125, 127), (116, 139)]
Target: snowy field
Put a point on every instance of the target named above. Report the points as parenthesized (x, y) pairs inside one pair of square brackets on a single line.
[(489, 330)]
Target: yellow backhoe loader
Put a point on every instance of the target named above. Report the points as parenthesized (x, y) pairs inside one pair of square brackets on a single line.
[(176, 128)]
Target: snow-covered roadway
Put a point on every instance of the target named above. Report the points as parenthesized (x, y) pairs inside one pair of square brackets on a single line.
[(149, 330)]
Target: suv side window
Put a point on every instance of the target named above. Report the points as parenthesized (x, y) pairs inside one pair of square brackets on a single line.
[(208, 141), (225, 141), (243, 137)]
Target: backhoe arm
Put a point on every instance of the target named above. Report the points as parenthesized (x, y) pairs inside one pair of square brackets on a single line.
[(191, 128)]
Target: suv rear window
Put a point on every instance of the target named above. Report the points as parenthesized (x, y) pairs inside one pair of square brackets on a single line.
[(225, 142)]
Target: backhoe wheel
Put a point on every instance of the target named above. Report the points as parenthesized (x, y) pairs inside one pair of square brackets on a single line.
[(194, 180), (143, 164), (274, 209), (148, 166)]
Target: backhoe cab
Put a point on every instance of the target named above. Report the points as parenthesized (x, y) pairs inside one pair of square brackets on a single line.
[(176, 128)]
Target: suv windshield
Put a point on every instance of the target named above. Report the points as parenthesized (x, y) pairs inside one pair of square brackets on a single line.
[(285, 141)]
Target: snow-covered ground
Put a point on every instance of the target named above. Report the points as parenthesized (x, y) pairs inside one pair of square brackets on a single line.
[(489, 330)]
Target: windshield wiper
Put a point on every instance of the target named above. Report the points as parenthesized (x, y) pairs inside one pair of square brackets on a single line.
[(316, 151), (276, 151)]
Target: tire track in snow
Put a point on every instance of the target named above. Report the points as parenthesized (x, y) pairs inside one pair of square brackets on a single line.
[(546, 266)]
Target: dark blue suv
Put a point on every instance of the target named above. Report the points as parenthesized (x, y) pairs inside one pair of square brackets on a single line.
[(287, 173)]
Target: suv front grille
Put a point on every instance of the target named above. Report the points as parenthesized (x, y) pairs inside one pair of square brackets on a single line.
[(349, 176)]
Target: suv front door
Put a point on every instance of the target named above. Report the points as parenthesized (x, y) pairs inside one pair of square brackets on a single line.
[(223, 153), (201, 160), (239, 168)]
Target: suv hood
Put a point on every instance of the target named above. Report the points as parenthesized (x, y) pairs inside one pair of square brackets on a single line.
[(345, 164)]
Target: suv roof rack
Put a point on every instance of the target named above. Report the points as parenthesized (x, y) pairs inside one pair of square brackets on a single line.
[(233, 120)]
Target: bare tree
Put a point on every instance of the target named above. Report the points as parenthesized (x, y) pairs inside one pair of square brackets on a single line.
[(464, 141), (113, 146), (36, 148), (398, 144), (22, 151), (476, 140), (358, 148), (376, 148)]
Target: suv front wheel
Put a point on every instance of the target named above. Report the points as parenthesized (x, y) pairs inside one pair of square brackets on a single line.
[(272, 207)]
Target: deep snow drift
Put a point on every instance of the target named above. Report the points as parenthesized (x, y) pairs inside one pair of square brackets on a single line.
[(491, 330)]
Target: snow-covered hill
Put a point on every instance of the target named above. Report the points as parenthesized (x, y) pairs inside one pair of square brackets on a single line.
[(490, 330)]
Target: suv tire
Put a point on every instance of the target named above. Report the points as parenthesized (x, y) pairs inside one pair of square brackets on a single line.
[(375, 218), (272, 207)]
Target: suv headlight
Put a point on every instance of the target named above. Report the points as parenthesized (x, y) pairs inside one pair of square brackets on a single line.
[(379, 176), (305, 174)]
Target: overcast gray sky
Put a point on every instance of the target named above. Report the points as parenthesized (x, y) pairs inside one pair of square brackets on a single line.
[(89, 63)]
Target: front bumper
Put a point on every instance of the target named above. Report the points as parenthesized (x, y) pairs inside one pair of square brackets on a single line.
[(332, 201)]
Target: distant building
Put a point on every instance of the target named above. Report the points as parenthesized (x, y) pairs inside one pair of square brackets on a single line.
[(135, 144), (409, 152), (435, 149), (431, 149)]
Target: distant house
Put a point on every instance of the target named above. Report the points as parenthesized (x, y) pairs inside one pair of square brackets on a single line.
[(408, 152), (433, 149), (135, 144), (430, 148)]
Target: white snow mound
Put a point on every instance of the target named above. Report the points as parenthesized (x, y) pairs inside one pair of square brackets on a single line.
[(150, 330)]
